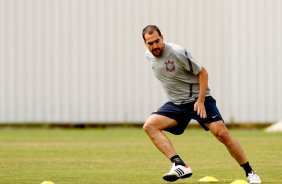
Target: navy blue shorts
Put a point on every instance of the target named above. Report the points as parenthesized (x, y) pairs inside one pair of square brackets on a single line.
[(185, 112)]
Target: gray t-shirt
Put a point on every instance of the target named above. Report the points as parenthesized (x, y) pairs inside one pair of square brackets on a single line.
[(178, 73)]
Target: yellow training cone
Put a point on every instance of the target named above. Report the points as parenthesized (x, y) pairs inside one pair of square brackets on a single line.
[(239, 182), (208, 179), (47, 182)]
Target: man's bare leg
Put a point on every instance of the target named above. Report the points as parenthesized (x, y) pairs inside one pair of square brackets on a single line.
[(219, 130), (153, 127)]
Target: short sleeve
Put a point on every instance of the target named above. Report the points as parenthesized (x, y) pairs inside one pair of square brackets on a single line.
[(188, 62)]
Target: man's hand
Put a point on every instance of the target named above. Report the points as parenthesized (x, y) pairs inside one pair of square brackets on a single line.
[(200, 108)]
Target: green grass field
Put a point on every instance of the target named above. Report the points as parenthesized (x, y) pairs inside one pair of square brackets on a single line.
[(127, 156)]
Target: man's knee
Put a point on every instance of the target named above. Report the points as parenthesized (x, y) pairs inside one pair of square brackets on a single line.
[(151, 124), (147, 127), (221, 132), (223, 136)]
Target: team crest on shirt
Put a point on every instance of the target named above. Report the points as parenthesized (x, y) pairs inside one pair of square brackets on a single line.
[(170, 67)]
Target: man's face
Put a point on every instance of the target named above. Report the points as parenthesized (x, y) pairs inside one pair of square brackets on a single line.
[(154, 43)]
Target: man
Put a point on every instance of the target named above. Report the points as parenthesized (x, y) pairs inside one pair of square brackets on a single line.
[(186, 83)]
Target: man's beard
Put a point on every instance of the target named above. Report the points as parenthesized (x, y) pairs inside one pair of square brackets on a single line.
[(159, 54)]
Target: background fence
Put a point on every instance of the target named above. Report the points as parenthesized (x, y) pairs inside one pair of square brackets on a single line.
[(83, 60)]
